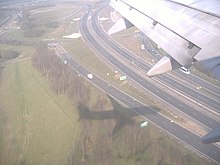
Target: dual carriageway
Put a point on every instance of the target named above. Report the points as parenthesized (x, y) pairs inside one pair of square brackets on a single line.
[(124, 61), (185, 102), (121, 60)]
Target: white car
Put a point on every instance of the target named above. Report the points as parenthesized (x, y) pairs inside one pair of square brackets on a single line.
[(184, 70), (143, 124), (90, 76)]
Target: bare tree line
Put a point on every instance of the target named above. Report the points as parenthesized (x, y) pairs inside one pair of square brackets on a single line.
[(62, 78), (97, 143)]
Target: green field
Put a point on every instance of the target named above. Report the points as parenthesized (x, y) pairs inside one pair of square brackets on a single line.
[(153, 146), (40, 126), (36, 125), (49, 22)]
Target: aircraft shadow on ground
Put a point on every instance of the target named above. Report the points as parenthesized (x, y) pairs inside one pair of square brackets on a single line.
[(120, 114)]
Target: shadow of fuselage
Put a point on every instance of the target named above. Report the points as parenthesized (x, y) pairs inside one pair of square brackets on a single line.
[(120, 114)]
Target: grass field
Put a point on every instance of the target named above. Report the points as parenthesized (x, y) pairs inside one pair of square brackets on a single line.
[(39, 127), (43, 17), (83, 54), (36, 125)]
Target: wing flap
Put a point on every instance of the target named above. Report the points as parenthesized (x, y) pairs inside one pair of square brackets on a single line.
[(185, 33), (175, 45)]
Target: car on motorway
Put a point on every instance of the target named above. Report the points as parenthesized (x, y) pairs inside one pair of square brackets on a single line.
[(184, 70), (90, 76)]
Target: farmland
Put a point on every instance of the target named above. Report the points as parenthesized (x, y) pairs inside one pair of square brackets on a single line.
[(51, 115)]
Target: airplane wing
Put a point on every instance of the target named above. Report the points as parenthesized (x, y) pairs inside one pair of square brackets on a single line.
[(188, 30), (213, 136)]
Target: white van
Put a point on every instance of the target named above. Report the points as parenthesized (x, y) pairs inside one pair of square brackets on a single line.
[(90, 76), (184, 70)]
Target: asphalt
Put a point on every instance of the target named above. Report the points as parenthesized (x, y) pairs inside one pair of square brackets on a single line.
[(185, 136), (183, 107), (209, 150), (191, 77), (7, 19), (180, 87)]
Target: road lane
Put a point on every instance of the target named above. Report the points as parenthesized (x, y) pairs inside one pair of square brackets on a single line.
[(191, 77), (193, 141), (187, 109), (173, 83)]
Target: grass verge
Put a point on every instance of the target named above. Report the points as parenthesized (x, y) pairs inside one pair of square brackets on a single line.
[(36, 125)]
